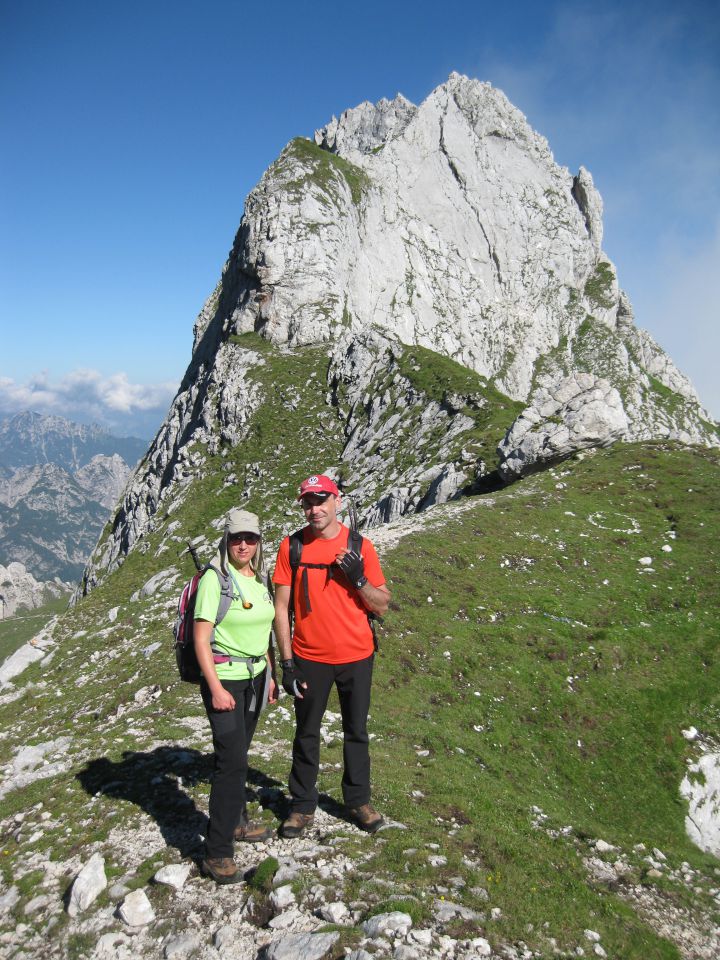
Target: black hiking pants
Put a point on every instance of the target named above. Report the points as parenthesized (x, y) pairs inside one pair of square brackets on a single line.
[(232, 731), (353, 681)]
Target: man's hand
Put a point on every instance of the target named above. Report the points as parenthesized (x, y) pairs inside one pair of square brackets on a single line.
[(272, 690), (293, 680), (352, 565), (223, 700)]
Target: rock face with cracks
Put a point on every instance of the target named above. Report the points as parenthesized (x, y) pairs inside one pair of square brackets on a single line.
[(448, 226)]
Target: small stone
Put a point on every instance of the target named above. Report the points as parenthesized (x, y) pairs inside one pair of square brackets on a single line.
[(181, 945), (136, 910), (423, 937), (37, 903), (602, 846), (645, 561), (437, 861), (481, 947), (8, 900), (117, 891), (335, 913), (359, 955), (599, 951), (107, 946), (405, 952), (592, 936), (302, 946), (446, 910), (225, 937), (174, 875), (286, 874), (88, 885), (385, 924), (281, 898)]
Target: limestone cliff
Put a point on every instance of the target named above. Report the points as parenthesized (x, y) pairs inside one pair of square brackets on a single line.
[(448, 226)]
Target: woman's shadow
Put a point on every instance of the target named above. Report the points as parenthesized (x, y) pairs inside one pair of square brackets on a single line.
[(154, 782)]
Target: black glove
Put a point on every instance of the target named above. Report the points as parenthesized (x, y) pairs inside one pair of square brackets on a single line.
[(354, 569), (293, 679)]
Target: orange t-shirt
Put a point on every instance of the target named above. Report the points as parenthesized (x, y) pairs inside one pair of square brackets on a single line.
[(336, 630)]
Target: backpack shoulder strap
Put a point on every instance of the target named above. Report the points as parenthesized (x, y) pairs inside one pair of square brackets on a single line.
[(296, 548), (226, 593)]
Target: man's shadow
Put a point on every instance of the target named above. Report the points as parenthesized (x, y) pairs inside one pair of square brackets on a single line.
[(154, 782)]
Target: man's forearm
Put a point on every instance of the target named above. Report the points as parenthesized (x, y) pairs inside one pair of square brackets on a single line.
[(282, 635), (376, 599)]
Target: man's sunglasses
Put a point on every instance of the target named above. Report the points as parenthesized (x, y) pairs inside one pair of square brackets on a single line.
[(314, 500), (250, 538)]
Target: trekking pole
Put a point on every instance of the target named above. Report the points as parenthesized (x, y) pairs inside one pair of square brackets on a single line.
[(352, 514), (193, 553)]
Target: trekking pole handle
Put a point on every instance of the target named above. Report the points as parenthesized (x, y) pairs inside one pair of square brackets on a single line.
[(193, 553)]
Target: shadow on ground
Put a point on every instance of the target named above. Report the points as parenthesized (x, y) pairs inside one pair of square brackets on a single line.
[(155, 782)]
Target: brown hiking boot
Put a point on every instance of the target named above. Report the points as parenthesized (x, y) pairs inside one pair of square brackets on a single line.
[(251, 833), (221, 869), (295, 825), (366, 817)]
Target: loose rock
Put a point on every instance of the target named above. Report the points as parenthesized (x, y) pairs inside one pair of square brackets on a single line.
[(88, 885), (136, 910)]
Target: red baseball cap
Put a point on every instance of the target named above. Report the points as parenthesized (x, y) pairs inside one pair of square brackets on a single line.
[(319, 484)]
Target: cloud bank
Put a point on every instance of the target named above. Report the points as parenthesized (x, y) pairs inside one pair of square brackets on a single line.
[(87, 396)]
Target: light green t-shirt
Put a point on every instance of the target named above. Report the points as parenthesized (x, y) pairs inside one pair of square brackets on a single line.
[(241, 632)]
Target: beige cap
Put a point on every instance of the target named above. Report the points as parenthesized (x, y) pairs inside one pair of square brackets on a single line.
[(239, 521), (242, 521)]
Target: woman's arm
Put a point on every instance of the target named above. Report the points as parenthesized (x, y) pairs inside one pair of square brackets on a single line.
[(222, 699)]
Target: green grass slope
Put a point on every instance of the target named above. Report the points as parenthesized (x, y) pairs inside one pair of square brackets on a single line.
[(25, 624), (529, 663)]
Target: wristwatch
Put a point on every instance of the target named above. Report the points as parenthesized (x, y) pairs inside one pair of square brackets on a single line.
[(360, 582)]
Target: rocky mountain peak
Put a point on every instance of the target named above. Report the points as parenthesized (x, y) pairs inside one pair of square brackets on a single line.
[(446, 229), (366, 127)]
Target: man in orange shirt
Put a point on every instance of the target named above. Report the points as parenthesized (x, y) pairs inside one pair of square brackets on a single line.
[(334, 589)]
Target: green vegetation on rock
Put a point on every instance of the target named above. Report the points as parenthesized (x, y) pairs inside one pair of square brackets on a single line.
[(322, 168), (599, 287)]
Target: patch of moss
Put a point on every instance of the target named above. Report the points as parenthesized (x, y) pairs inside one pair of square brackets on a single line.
[(599, 287), (324, 169)]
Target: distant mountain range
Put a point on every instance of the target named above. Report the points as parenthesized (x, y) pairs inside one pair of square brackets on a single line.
[(58, 481)]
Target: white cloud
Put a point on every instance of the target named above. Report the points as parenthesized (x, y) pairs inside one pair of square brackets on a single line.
[(91, 397)]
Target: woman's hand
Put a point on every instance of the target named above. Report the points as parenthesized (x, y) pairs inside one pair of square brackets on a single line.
[(272, 690), (222, 699)]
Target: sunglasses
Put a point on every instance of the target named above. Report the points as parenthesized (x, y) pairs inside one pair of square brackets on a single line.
[(313, 500), (250, 538)]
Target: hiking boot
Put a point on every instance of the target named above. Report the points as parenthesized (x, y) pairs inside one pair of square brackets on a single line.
[(251, 833), (221, 869), (366, 817), (295, 825)]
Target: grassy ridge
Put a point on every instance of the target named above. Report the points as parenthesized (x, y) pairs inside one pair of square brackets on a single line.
[(494, 608), (480, 678)]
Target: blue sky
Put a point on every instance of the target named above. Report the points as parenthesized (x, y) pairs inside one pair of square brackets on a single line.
[(133, 132)]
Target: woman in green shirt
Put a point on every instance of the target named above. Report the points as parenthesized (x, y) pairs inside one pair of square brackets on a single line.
[(236, 660)]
